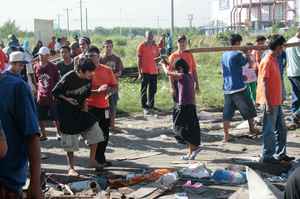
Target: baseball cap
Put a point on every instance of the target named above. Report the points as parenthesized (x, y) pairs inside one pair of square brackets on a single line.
[(17, 56), (44, 51), (181, 37)]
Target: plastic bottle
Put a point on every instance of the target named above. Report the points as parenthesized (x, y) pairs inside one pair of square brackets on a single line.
[(229, 177)]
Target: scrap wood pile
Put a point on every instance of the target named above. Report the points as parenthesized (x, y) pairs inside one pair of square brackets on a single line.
[(193, 181)]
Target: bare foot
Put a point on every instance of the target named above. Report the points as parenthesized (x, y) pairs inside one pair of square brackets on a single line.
[(73, 173)]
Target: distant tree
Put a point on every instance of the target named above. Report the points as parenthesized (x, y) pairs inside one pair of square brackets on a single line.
[(9, 27)]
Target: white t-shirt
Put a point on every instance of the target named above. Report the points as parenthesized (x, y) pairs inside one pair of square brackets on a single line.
[(249, 73)]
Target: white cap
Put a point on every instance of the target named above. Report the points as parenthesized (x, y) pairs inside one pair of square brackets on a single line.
[(17, 56), (44, 51)]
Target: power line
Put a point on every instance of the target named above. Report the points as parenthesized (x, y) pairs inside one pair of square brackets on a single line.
[(190, 19)]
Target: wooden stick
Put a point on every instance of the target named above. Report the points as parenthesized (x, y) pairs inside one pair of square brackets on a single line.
[(236, 48)]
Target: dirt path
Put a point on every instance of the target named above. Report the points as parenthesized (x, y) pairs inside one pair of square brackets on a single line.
[(152, 136)]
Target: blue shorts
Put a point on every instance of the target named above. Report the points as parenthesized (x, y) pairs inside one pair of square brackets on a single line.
[(238, 101)]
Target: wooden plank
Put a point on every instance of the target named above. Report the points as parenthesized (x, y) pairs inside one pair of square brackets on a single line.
[(144, 191), (242, 193), (236, 48), (258, 188)]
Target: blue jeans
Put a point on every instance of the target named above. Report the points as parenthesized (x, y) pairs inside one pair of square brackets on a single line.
[(274, 134), (295, 83)]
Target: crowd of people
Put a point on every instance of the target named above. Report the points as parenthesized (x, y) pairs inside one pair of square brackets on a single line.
[(79, 96)]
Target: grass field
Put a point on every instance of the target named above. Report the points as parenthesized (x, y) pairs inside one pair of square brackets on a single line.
[(209, 71)]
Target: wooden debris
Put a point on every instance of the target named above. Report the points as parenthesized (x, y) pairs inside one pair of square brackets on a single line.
[(259, 188)]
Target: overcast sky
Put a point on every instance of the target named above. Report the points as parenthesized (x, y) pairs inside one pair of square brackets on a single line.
[(106, 13)]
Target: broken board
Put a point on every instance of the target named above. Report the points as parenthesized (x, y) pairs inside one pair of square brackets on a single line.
[(259, 188)]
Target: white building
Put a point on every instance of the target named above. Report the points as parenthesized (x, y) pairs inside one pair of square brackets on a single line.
[(254, 13)]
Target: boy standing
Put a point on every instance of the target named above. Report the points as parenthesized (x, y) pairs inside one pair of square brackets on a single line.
[(235, 93), (269, 94), (71, 93), (115, 63)]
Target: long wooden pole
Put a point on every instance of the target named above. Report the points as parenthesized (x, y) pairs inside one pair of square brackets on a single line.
[(236, 48)]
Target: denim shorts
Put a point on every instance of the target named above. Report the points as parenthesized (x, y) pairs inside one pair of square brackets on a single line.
[(238, 101)]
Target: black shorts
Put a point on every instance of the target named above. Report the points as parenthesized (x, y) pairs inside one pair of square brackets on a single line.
[(47, 113), (238, 101)]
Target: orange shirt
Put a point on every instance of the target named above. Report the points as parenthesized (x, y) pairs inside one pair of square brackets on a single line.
[(147, 54), (103, 75), (188, 57), (269, 70), (51, 45)]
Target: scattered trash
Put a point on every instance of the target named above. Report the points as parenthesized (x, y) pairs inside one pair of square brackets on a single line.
[(181, 196), (102, 182), (278, 179), (229, 177), (196, 170), (196, 188), (168, 179), (85, 185), (164, 137)]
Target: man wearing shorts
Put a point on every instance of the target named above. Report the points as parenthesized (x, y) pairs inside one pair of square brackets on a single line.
[(115, 63), (47, 75), (235, 93), (71, 92)]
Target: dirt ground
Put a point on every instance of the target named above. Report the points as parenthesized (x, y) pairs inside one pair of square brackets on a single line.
[(152, 136)]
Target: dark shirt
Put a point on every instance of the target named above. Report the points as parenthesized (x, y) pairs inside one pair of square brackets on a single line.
[(19, 121), (64, 69), (186, 90), (114, 62), (72, 119)]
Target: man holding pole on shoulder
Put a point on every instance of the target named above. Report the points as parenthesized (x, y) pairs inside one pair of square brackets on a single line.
[(235, 93)]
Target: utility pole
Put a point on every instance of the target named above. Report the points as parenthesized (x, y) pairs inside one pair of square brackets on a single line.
[(172, 18), (120, 21), (81, 27), (158, 25), (58, 22), (190, 19), (86, 21), (68, 21)]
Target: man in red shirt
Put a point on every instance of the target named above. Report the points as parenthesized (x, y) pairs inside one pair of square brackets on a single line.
[(147, 51), (269, 95), (104, 84)]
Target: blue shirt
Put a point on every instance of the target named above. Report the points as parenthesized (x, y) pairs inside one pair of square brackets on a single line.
[(19, 121), (232, 63)]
